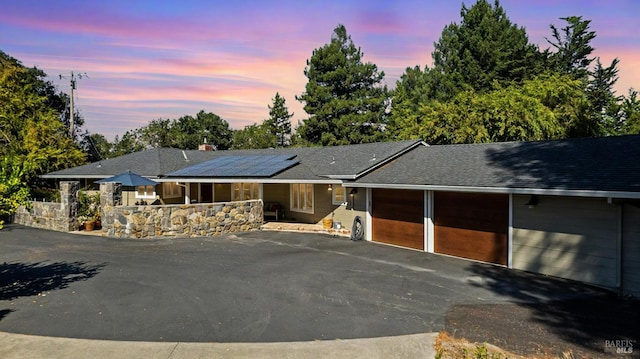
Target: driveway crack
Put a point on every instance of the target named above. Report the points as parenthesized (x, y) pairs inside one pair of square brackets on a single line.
[(173, 350)]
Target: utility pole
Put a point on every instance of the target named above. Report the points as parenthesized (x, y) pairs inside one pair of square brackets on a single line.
[(72, 123)]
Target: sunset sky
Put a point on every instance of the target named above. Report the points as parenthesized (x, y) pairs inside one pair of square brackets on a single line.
[(163, 59)]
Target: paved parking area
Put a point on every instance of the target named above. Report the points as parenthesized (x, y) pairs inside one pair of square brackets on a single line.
[(249, 287)]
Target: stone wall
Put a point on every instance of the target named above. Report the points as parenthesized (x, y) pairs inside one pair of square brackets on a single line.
[(53, 216), (192, 220)]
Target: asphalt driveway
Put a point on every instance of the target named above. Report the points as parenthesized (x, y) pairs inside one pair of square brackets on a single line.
[(277, 286)]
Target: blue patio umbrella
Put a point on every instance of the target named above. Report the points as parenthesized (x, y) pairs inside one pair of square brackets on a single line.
[(129, 179)]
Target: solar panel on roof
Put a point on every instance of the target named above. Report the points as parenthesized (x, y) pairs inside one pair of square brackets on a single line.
[(239, 166)]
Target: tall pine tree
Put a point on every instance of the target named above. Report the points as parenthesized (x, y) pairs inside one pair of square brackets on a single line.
[(279, 121), (344, 97), (484, 49)]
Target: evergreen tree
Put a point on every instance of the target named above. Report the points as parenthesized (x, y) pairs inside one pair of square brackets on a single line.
[(600, 115), (344, 97), (279, 121), (486, 48), (630, 114), (572, 46), (414, 89)]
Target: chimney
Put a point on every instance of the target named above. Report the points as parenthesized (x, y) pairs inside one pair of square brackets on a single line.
[(205, 146)]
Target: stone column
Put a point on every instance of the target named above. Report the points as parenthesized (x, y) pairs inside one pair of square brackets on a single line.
[(69, 204), (110, 196)]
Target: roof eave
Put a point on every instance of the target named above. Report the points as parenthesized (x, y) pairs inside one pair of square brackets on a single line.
[(506, 190), (62, 176), (253, 180)]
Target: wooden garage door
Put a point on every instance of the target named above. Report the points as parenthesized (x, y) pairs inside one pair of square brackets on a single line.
[(472, 225), (398, 217)]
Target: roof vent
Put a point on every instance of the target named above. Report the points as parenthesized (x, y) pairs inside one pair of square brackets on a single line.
[(373, 158), (333, 160), (184, 154)]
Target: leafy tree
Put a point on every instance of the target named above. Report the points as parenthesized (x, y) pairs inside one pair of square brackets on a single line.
[(344, 97), (190, 132), (129, 143), (255, 136), (33, 138), (30, 128), (485, 49), (96, 146), (186, 132), (158, 133), (13, 191), (539, 109), (279, 121)]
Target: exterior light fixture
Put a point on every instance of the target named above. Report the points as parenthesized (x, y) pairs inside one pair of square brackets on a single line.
[(330, 187), (353, 191), (533, 201)]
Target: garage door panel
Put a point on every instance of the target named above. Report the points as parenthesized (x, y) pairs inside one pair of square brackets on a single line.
[(471, 225), (406, 206), (472, 244), (405, 234), (398, 217)]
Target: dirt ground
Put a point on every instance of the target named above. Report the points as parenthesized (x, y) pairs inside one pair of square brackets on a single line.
[(578, 327)]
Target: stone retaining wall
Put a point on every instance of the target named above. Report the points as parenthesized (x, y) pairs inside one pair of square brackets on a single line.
[(50, 215), (181, 220)]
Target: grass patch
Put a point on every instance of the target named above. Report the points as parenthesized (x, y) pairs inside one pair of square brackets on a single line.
[(448, 347)]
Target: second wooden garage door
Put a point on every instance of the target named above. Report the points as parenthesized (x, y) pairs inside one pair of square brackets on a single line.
[(472, 225), (397, 217)]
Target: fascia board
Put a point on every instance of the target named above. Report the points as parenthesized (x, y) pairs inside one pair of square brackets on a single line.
[(506, 190)]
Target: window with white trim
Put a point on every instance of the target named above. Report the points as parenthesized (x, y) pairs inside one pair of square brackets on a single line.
[(244, 191), (146, 192), (302, 197), (339, 195), (171, 190)]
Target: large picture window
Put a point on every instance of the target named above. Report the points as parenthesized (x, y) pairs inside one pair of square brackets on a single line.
[(302, 197), (171, 190), (245, 191)]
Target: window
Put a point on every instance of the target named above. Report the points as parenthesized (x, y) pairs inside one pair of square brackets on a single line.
[(146, 192), (339, 195), (302, 197), (245, 191), (171, 190)]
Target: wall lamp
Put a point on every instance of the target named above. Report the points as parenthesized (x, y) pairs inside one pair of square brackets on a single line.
[(330, 187), (533, 201), (353, 191)]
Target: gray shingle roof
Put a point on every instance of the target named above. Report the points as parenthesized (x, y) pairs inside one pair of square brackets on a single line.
[(590, 164), (316, 163), (149, 163)]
